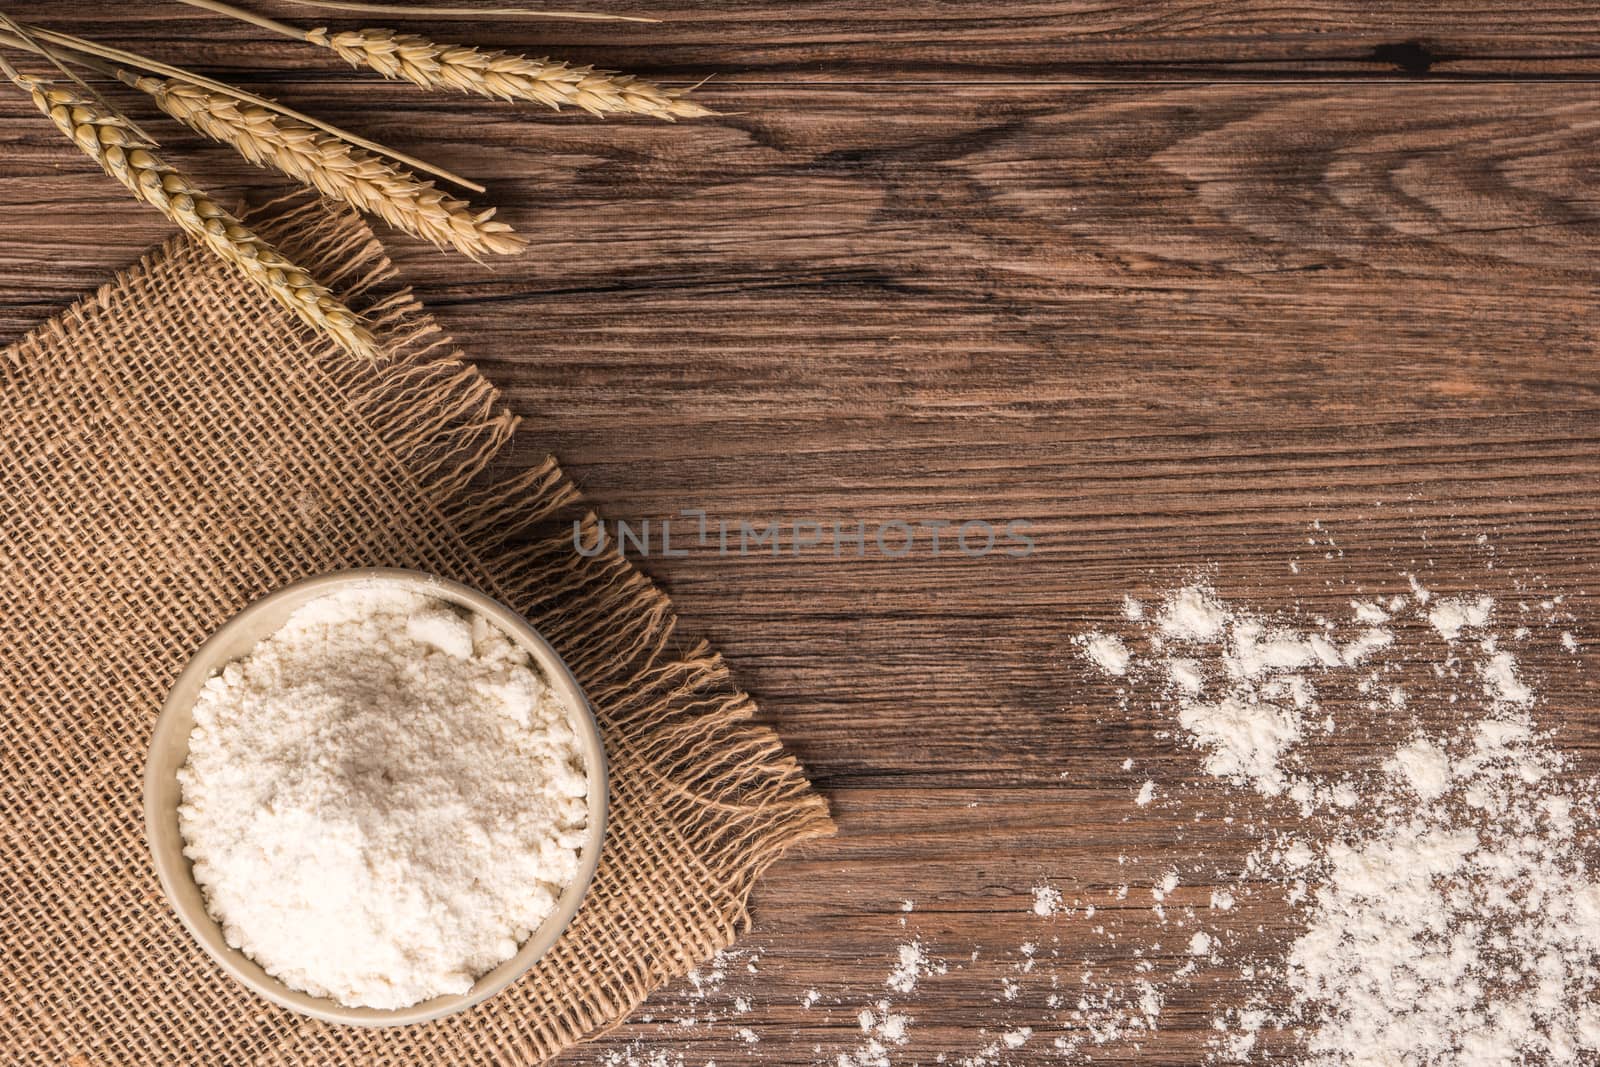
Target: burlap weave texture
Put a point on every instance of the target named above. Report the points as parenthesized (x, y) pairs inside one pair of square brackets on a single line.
[(176, 446)]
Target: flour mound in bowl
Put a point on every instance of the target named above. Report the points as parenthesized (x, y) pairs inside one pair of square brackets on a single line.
[(383, 799)]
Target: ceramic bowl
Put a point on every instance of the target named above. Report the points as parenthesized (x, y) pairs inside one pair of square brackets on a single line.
[(169, 750)]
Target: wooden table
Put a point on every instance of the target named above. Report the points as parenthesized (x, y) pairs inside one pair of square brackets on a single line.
[(1168, 281)]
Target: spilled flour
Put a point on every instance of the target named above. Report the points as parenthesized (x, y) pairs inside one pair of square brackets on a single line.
[(1406, 877), (1449, 914)]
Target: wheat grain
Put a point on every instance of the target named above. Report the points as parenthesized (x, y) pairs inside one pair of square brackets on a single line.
[(504, 76), (79, 50), (333, 167), (105, 137)]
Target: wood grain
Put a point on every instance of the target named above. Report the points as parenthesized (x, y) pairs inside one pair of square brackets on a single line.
[(942, 40), (1168, 280)]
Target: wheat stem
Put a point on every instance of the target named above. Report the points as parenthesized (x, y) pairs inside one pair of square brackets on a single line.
[(319, 160), (105, 136), (15, 31), (144, 63), (55, 55), (260, 21), (504, 76), (333, 167), (408, 10), (498, 75)]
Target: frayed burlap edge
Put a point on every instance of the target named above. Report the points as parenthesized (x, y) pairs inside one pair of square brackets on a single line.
[(724, 782)]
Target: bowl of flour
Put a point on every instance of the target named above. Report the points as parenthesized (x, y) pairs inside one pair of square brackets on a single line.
[(376, 797)]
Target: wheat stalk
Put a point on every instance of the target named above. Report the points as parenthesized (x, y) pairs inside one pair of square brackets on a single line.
[(504, 76), (54, 45), (409, 10), (105, 137), (333, 167)]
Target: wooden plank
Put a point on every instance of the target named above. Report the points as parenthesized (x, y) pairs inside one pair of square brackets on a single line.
[(1169, 282), (846, 40), (1040, 199)]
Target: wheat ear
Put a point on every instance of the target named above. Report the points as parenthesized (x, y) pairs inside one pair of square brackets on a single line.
[(504, 76), (104, 136), (333, 167)]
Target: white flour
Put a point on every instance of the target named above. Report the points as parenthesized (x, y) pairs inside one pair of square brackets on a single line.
[(382, 799), (903, 979), (1464, 931), (1108, 653), (1452, 616), (1046, 900), (1419, 888), (1449, 914)]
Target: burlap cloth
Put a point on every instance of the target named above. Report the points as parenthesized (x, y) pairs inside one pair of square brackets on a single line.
[(174, 447)]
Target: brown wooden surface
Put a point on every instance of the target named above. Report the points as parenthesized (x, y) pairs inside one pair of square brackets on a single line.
[(1171, 281)]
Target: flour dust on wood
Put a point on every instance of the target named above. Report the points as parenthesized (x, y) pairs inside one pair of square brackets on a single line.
[(1393, 793)]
